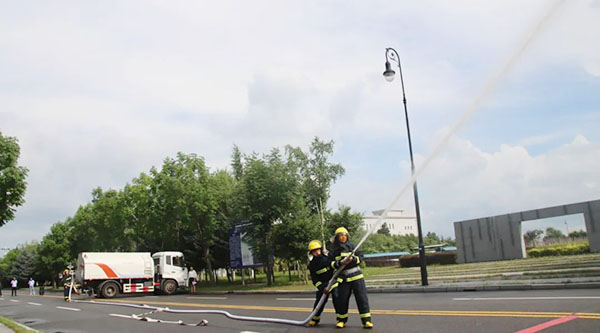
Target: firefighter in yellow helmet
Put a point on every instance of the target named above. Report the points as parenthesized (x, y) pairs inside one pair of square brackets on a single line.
[(352, 279), (320, 272), (66, 282)]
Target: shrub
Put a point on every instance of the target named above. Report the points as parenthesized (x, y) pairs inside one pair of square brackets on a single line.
[(559, 250), (440, 258)]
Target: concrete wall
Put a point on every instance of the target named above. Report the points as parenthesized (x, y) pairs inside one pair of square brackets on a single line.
[(499, 237)]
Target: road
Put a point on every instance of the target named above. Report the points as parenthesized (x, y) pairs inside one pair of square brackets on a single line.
[(490, 311)]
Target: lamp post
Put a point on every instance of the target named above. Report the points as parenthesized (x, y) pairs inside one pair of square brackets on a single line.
[(391, 54)]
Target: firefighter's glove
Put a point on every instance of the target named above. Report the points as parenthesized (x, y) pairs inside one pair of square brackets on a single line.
[(347, 261)]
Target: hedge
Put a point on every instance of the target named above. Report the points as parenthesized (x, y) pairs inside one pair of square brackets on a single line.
[(559, 250), (440, 258)]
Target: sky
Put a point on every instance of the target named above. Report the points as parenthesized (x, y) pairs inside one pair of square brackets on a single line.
[(98, 92)]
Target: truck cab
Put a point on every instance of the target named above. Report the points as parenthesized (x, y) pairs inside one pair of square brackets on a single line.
[(170, 270)]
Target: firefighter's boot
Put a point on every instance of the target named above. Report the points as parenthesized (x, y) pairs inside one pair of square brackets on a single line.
[(368, 325), (340, 324)]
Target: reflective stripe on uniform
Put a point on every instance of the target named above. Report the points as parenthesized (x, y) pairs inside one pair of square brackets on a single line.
[(341, 316), (353, 278), (365, 315), (317, 318), (318, 283), (333, 286), (321, 271), (343, 255)]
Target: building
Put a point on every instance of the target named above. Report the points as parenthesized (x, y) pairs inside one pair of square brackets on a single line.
[(395, 220)]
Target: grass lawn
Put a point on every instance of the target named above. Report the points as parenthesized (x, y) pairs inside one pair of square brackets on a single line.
[(14, 325)]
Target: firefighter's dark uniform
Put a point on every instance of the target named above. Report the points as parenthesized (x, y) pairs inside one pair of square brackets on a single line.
[(320, 272), (66, 281), (351, 281)]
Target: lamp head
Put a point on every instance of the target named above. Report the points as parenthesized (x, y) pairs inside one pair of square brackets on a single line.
[(389, 72)]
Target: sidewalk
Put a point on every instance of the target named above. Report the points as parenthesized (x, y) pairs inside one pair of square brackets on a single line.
[(4, 329)]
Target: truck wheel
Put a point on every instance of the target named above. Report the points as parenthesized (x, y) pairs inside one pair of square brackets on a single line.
[(110, 290), (169, 287)]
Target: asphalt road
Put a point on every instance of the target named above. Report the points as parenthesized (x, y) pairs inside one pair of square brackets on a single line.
[(484, 311)]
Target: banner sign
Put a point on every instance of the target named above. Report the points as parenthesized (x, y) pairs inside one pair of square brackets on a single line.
[(240, 253)]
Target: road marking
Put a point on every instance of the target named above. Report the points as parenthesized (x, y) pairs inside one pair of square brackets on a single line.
[(514, 314), (33, 303), (15, 301), (522, 298), (295, 299), (70, 309), (547, 324), (206, 297)]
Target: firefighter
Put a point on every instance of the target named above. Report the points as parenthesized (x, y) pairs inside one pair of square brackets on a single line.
[(320, 272), (352, 280), (66, 281)]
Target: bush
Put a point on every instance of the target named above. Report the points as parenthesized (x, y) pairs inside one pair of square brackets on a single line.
[(440, 258), (559, 250)]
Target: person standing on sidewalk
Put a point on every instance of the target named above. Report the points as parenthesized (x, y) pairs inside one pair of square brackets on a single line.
[(353, 281), (13, 285), (31, 284), (192, 279)]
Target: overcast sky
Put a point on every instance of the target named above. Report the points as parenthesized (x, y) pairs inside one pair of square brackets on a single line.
[(99, 91)]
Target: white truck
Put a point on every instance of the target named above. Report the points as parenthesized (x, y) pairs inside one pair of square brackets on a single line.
[(107, 274)]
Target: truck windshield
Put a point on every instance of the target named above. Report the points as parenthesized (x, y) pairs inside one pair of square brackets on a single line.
[(178, 261)]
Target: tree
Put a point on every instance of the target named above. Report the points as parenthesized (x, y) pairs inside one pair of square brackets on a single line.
[(384, 230), (24, 265), (343, 217), (54, 251), (552, 233), (12, 179), (268, 195), (318, 174), (532, 236), (577, 234)]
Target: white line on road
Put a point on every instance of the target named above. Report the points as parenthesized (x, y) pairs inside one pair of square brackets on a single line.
[(523, 298), (205, 297), (14, 300), (33, 303), (295, 299), (70, 309)]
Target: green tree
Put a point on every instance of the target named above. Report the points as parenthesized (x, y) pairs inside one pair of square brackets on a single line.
[(384, 230), (318, 173), (12, 179), (532, 236), (577, 234), (552, 233), (268, 194), (24, 266), (344, 217), (54, 251)]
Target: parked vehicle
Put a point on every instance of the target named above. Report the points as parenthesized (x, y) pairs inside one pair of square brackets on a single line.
[(107, 274)]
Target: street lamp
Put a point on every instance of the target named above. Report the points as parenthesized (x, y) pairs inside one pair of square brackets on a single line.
[(389, 73)]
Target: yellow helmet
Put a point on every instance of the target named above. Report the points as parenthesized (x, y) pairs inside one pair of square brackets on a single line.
[(66, 271), (342, 230), (313, 245)]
